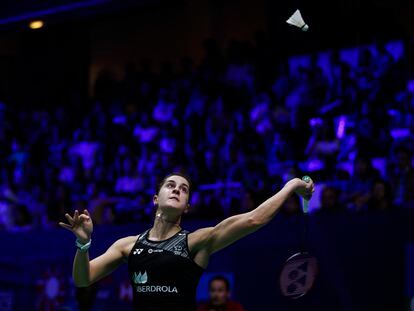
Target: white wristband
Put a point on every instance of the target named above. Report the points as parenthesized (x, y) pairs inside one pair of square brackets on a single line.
[(83, 247)]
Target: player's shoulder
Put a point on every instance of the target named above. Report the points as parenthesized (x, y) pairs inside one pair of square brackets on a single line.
[(199, 233), (125, 241), (125, 245)]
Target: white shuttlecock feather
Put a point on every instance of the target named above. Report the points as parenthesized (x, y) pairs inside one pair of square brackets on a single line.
[(297, 20)]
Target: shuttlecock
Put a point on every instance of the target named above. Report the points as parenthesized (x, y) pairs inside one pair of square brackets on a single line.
[(297, 20)]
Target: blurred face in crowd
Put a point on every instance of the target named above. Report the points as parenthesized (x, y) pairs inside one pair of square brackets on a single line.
[(292, 205), (328, 198), (219, 293), (378, 191), (403, 159), (360, 167)]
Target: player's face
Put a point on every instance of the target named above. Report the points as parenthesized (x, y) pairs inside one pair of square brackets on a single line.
[(218, 293), (174, 193)]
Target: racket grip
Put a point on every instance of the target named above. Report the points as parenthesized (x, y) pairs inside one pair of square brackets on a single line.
[(305, 203)]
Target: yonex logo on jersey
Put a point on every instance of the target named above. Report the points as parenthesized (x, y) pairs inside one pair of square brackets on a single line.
[(138, 251), (140, 278)]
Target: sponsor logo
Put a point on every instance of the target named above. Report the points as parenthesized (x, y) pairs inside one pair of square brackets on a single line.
[(156, 289), (178, 250), (138, 251), (297, 276), (140, 278), (151, 250)]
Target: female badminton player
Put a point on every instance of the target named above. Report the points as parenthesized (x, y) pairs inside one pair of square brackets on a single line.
[(166, 262)]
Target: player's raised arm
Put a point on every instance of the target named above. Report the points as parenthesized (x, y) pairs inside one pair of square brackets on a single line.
[(234, 228), (86, 272)]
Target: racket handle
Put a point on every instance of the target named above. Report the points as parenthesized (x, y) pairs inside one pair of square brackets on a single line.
[(305, 203)]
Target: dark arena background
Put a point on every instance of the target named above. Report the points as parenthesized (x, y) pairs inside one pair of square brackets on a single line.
[(109, 96)]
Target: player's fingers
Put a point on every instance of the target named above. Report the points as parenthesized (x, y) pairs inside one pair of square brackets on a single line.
[(70, 219), (76, 216), (66, 226), (84, 217), (312, 187), (86, 212)]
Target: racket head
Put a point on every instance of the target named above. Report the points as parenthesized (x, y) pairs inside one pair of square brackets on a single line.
[(298, 275)]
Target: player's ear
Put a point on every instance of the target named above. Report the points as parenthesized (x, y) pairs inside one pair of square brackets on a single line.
[(155, 200)]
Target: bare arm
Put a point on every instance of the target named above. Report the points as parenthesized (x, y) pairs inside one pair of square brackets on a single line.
[(86, 272), (236, 227)]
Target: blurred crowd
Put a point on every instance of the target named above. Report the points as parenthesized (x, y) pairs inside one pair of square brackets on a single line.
[(240, 124)]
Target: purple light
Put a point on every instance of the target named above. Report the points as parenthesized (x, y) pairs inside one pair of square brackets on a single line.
[(410, 86), (122, 120), (393, 112), (315, 122), (315, 165), (341, 127), (400, 133)]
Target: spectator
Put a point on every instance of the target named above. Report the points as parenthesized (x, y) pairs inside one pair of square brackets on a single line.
[(202, 119), (402, 177), (381, 196), (219, 289), (330, 203)]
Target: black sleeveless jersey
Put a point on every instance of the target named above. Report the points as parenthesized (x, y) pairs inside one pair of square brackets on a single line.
[(163, 275)]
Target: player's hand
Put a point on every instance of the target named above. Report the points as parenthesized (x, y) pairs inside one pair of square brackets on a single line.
[(80, 224), (303, 188)]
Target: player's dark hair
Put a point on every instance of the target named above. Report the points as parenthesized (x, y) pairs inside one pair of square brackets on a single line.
[(183, 175)]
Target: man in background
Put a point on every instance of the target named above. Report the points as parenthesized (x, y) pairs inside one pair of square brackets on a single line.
[(219, 288)]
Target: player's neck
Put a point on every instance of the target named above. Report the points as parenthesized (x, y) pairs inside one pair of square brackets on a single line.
[(163, 227)]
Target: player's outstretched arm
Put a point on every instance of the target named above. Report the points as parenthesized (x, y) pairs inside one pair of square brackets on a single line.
[(234, 228)]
